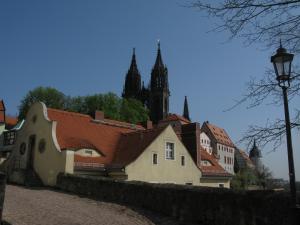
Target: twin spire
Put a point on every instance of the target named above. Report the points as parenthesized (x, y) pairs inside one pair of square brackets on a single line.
[(155, 96)]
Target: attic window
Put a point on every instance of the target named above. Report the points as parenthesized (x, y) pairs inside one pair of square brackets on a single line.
[(170, 150)]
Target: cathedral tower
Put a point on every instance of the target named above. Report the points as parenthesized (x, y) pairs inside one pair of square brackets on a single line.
[(132, 87), (159, 90)]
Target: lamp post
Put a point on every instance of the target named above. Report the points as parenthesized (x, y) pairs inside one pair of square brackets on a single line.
[(282, 62)]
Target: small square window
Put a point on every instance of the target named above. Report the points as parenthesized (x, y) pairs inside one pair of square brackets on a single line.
[(154, 159)]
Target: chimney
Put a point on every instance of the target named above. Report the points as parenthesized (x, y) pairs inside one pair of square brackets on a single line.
[(99, 115), (147, 124), (191, 139)]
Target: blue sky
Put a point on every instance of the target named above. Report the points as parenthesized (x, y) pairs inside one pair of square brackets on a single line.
[(85, 47)]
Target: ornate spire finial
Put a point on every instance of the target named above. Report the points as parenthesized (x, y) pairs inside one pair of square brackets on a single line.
[(133, 51), (158, 44), (280, 46)]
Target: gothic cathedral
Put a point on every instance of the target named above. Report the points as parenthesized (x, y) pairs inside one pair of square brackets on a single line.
[(156, 96)]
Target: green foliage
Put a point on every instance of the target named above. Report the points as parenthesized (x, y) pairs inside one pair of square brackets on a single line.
[(243, 179), (114, 107), (133, 111), (50, 96)]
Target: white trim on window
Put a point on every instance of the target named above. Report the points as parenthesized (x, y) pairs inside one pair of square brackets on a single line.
[(169, 150)]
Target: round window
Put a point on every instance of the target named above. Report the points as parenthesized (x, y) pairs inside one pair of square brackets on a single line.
[(23, 148), (42, 145)]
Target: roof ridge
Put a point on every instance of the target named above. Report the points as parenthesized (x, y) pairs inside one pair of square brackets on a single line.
[(125, 125), (69, 112)]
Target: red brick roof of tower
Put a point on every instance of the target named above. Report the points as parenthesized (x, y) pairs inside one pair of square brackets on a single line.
[(133, 144), (175, 117), (214, 169), (77, 131), (220, 135)]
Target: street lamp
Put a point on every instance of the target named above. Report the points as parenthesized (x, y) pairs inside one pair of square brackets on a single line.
[(282, 62)]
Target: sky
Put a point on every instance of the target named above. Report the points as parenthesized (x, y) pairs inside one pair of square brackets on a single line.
[(85, 47)]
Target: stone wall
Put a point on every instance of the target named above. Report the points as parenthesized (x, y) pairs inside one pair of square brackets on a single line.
[(205, 206)]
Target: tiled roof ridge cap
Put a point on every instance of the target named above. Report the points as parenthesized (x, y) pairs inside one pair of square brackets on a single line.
[(130, 126), (70, 113), (145, 131)]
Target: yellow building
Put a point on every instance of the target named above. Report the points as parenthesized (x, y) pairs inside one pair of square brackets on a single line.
[(54, 141)]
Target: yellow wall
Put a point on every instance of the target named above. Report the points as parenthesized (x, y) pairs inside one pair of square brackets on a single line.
[(209, 182), (49, 163), (166, 171)]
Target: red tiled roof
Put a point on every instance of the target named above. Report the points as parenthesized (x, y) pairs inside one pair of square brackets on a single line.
[(133, 144), (11, 121), (175, 117), (220, 135), (214, 169), (77, 131)]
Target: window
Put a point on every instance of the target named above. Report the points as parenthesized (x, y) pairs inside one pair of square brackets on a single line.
[(42, 145), (23, 148), (169, 150), (88, 152), (9, 137), (225, 159), (154, 159), (221, 185), (182, 160)]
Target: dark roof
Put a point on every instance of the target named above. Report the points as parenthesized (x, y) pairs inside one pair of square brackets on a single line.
[(255, 152), (132, 144)]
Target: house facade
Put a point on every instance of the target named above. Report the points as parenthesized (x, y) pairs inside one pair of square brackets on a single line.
[(222, 146), (53, 141)]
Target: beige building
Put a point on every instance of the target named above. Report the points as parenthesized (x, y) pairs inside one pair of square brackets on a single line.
[(222, 146), (53, 141)]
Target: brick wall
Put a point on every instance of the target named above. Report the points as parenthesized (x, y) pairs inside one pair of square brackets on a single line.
[(205, 206)]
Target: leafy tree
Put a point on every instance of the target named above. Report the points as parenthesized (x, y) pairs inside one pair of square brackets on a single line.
[(264, 22), (133, 111), (50, 96), (114, 107), (243, 179)]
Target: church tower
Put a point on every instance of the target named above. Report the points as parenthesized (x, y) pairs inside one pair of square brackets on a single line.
[(159, 90), (132, 87), (186, 113), (255, 157)]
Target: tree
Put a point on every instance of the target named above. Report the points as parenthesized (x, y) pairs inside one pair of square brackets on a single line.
[(243, 179), (261, 21), (133, 111), (114, 107), (50, 96)]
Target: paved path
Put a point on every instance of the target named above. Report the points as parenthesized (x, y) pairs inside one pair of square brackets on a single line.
[(25, 206)]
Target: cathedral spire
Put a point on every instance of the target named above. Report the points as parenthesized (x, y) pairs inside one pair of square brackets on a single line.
[(132, 87), (186, 109), (158, 61)]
